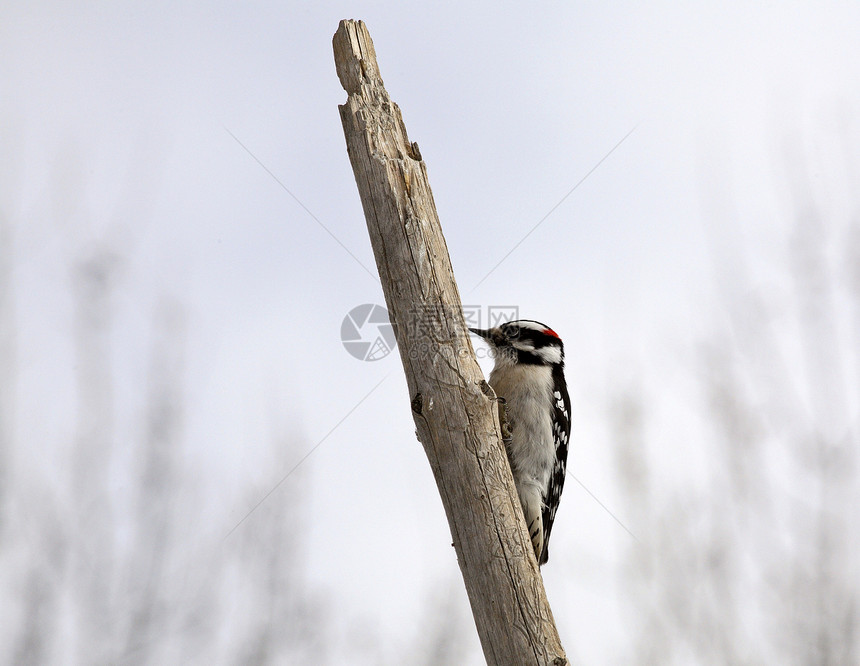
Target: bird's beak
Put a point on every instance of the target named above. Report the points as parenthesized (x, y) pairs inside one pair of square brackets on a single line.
[(491, 335)]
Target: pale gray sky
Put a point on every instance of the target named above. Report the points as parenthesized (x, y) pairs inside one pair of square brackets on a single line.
[(117, 125)]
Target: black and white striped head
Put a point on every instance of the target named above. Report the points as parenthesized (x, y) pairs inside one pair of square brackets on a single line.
[(524, 341)]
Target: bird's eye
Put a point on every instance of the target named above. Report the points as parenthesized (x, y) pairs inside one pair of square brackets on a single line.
[(512, 332)]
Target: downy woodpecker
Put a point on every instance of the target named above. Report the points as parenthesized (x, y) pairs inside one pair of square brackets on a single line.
[(529, 375)]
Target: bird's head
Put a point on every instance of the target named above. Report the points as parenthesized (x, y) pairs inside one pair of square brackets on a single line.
[(524, 341)]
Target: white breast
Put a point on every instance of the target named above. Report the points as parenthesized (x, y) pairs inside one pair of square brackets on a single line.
[(527, 390)]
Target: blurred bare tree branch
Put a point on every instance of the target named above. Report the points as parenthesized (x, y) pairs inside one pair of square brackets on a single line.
[(758, 563), (107, 561)]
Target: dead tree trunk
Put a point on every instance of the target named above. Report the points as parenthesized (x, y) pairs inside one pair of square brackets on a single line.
[(452, 405)]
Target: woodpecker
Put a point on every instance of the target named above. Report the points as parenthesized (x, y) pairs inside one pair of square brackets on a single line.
[(529, 374)]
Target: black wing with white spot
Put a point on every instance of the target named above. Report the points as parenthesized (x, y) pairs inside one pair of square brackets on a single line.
[(561, 436)]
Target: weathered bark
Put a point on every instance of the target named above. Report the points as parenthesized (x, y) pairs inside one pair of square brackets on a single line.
[(452, 405)]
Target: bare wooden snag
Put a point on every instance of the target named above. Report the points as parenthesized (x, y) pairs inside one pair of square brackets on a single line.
[(453, 407)]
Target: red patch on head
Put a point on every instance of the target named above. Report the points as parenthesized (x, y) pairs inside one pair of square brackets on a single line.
[(551, 332)]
